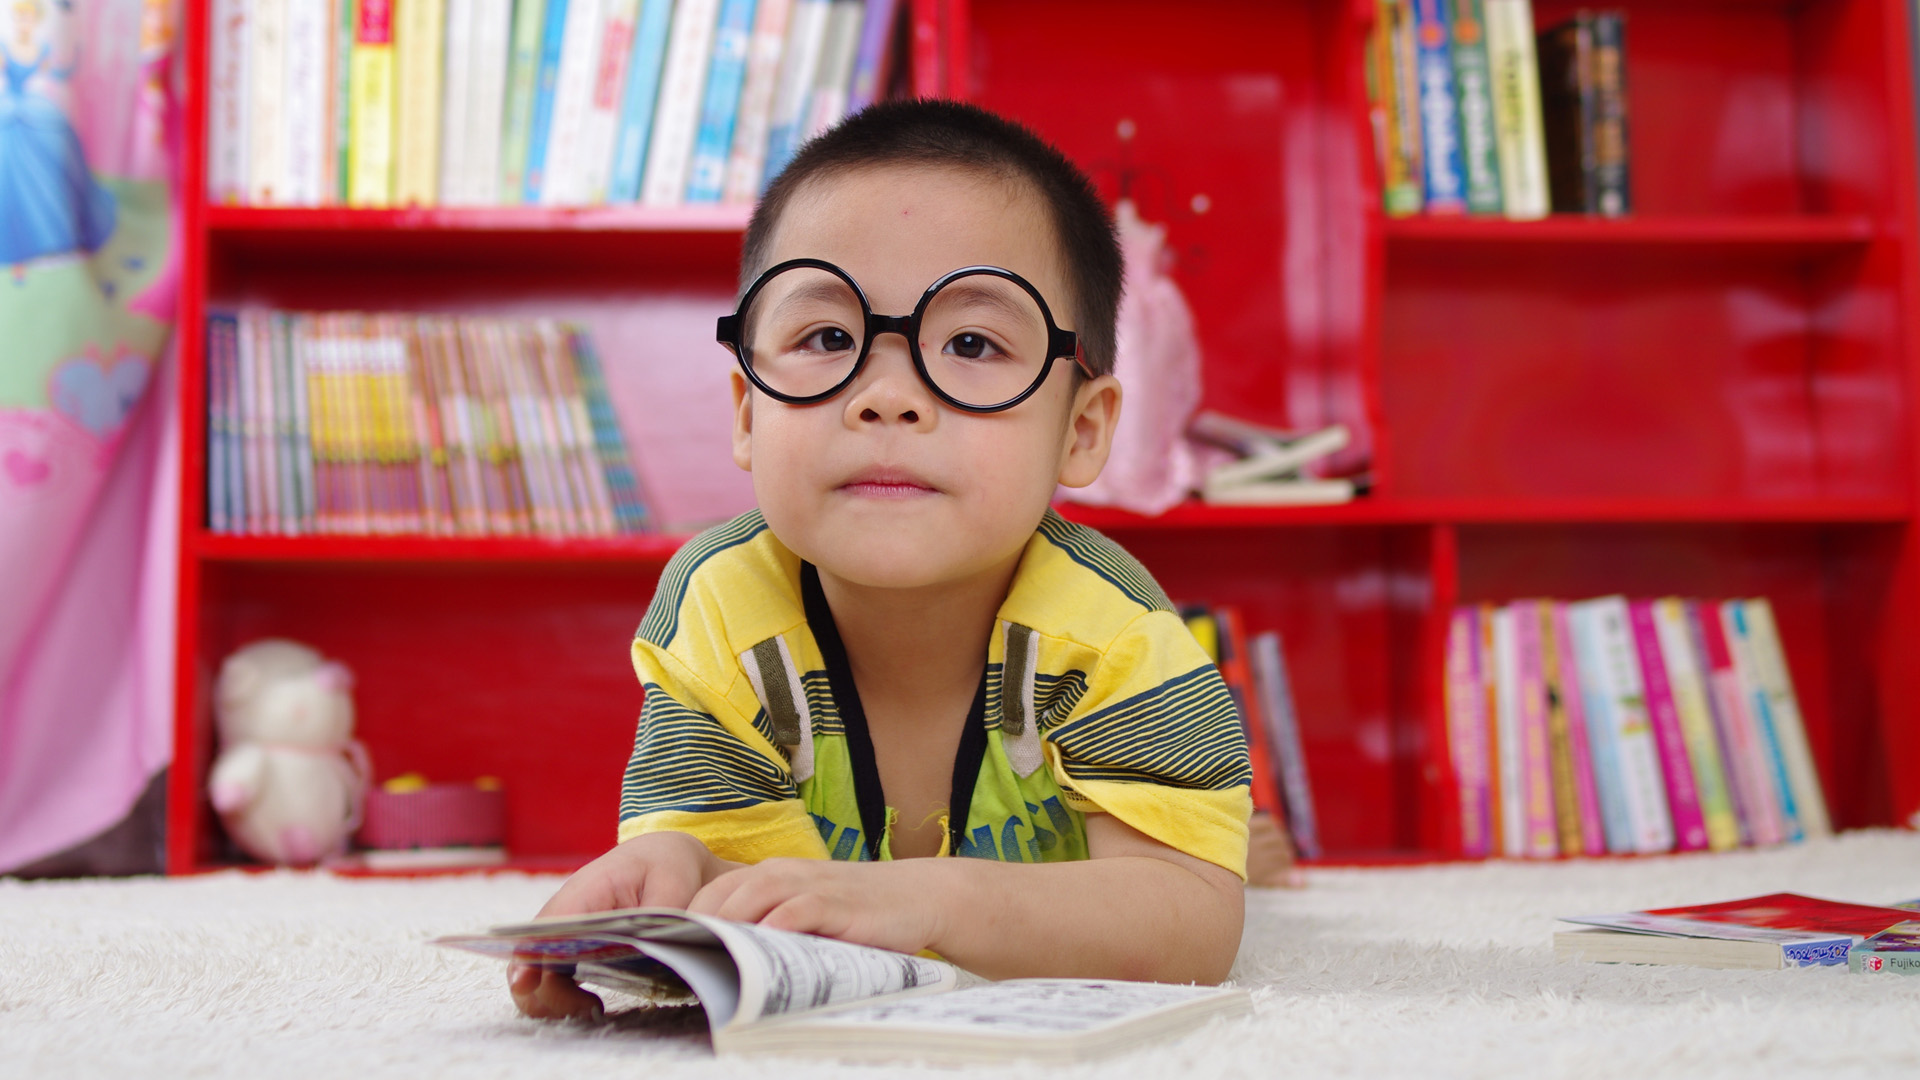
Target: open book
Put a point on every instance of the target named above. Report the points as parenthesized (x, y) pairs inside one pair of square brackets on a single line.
[(1773, 931), (771, 991)]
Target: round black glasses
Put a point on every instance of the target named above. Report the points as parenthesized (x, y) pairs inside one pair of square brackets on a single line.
[(804, 329)]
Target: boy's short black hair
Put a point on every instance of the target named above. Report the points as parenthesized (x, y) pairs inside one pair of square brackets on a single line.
[(956, 135)]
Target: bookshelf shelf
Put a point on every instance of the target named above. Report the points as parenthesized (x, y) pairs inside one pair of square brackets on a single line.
[(1787, 234), (1712, 397), (650, 549), (1461, 511)]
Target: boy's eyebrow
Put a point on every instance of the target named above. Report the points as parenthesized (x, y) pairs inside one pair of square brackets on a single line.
[(828, 288), (968, 291)]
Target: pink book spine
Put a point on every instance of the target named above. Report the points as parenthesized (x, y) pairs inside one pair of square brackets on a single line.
[(1593, 840), (1746, 760), (1467, 733), (1683, 799), (1535, 747)]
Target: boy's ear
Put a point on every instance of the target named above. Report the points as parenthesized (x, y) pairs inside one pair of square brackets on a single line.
[(1090, 427), (742, 421)]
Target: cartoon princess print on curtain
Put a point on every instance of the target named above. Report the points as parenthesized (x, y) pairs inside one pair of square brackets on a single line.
[(50, 203), (89, 275)]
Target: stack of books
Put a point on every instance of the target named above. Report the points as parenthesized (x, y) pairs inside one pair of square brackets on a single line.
[(1474, 113), (1255, 670), (356, 424), (1626, 726), (378, 103)]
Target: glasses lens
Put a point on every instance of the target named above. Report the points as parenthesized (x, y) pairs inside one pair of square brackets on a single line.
[(984, 339), (802, 331)]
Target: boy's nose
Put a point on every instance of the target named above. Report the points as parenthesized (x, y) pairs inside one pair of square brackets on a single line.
[(890, 390)]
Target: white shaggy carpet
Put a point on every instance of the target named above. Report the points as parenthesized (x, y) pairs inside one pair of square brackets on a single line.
[(1433, 971)]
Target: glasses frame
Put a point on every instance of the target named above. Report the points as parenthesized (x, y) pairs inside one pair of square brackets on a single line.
[(729, 331)]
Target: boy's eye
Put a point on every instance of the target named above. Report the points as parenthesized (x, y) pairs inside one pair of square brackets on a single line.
[(971, 346), (831, 339)]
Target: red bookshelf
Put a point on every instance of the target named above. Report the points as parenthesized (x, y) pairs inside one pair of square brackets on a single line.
[(1713, 397)]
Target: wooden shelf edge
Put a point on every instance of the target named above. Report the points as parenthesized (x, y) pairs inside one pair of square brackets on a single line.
[(703, 218), (1787, 231)]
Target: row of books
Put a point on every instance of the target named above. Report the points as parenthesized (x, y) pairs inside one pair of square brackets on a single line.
[(1255, 670), (537, 102), (1475, 113), (1626, 726), (352, 423)]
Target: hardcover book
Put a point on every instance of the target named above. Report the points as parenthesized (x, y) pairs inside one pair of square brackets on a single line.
[(1473, 85), (1439, 110), (766, 991), (1773, 931)]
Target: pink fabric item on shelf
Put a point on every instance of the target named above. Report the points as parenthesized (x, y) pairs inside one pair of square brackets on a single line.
[(1153, 467), (89, 468)]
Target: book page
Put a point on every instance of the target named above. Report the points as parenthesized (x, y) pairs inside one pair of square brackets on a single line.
[(1022, 1007), (782, 972)]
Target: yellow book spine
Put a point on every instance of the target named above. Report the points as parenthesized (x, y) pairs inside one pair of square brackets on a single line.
[(421, 26), (370, 105)]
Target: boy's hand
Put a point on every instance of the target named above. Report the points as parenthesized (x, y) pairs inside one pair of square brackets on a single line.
[(884, 905), (656, 870)]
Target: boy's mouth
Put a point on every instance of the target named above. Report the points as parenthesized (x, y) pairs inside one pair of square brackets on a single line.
[(887, 484)]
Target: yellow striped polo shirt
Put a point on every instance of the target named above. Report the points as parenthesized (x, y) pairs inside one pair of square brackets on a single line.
[(1098, 700)]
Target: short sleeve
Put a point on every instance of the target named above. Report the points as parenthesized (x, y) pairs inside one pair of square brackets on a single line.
[(1156, 741), (701, 768)]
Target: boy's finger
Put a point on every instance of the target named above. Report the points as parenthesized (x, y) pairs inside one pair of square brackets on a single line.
[(558, 997)]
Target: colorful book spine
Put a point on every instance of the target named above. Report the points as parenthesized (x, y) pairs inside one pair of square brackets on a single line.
[(492, 34), (637, 100), (346, 15), (1275, 692), (1640, 752), (870, 57), (1770, 665), (1541, 839), (456, 102), (1237, 673), (419, 54), (1687, 683), (228, 117), (770, 21), (1473, 85), (371, 105), (564, 179), (1603, 724), (221, 354), (1510, 740), (1586, 796), (307, 174), (1566, 806), (266, 102), (1612, 161), (623, 485), (1467, 732), (1683, 793), (293, 508), (828, 101), (1439, 111), (726, 73), (602, 125), (1490, 682), (583, 463), (806, 34), (1515, 71), (1746, 759), (676, 117), (522, 86), (553, 36), (1391, 84)]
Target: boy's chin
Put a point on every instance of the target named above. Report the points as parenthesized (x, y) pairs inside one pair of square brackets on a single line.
[(900, 562)]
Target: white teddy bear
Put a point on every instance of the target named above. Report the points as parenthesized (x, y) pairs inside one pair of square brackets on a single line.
[(290, 780)]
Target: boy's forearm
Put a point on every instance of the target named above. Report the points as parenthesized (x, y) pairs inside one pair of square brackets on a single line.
[(1119, 918)]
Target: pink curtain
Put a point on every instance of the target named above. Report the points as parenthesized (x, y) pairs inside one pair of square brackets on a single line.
[(89, 471)]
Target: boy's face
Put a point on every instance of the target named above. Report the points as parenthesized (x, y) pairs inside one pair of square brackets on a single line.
[(883, 485)]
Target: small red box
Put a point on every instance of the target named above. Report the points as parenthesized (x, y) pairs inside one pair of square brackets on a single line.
[(435, 816)]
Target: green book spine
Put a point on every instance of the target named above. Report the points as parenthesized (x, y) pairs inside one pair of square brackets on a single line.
[(523, 70), (1473, 83), (343, 100)]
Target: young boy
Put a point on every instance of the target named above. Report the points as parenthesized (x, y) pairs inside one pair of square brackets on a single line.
[(904, 654)]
